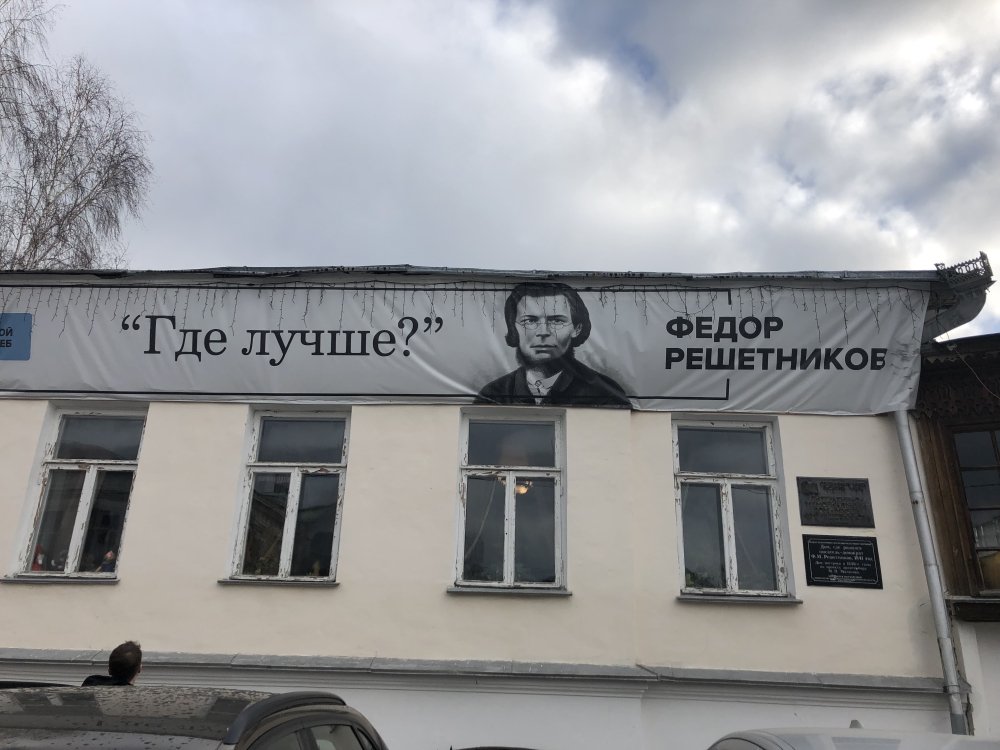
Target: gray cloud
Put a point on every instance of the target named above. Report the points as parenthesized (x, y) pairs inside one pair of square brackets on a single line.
[(698, 137)]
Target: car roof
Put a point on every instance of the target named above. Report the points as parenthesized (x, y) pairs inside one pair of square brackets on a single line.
[(199, 712), (826, 738)]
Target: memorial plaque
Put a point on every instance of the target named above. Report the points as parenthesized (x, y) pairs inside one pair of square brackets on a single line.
[(832, 501), (842, 561)]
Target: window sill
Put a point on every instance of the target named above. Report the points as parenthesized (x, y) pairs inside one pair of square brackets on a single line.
[(982, 608), (320, 583), (738, 599), (70, 579), (508, 591)]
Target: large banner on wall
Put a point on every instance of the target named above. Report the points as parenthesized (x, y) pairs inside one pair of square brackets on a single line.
[(822, 348)]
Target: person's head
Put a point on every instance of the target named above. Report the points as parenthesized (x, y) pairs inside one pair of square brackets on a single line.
[(545, 321), (125, 661)]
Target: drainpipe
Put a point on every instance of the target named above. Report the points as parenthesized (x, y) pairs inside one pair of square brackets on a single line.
[(932, 571)]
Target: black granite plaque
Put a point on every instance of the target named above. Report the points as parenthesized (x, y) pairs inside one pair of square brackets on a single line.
[(832, 501), (842, 561)]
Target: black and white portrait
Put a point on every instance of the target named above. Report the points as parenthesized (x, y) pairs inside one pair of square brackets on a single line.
[(545, 323)]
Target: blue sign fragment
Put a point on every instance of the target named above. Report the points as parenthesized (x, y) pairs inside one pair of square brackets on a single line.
[(15, 336)]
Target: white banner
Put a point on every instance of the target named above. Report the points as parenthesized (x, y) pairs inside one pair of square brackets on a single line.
[(823, 348)]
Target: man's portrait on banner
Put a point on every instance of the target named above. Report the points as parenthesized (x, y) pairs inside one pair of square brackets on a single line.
[(545, 323)]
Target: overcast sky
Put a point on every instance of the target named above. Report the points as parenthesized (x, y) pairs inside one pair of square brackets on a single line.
[(637, 135)]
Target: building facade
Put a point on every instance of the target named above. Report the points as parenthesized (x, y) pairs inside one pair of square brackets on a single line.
[(479, 512)]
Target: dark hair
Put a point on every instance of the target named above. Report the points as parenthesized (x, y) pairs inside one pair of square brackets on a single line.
[(125, 660), (578, 311)]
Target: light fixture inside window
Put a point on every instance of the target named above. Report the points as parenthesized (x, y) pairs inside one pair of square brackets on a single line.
[(522, 487)]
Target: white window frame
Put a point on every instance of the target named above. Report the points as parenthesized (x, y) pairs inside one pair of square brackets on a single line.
[(297, 470), (510, 472), (725, 481), (92, 468)]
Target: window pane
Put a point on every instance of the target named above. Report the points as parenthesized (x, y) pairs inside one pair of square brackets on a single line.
[(986, 528), (982, 488), (535, 530), (55, 529), (755, 568), (722, 451), (318, 441), (107, 517), (335, 737), (484, 529), (701, 510), (989, 563), (267, 521), (280, 739), (317, 515), (975, 449), (100, 438), (512, 444)]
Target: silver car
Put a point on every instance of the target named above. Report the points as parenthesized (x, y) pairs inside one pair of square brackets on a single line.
[(798, 738)]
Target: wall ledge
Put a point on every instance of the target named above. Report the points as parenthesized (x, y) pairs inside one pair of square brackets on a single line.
[(268, 669)]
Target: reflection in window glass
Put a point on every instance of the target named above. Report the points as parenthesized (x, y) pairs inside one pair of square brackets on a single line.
[(280, 740), (986, 528), (262, 555), (314, 525), (511, 504), (982, 487), (512, 444), (982, 497), (84, 503), (989, 563), (975, 449), (107, 518), (729, 506), (292, 521), (701, 511), (301, 440), (754, 550), (99, 438), (484, 529), (722, 451), (335, 737), (534, 530), (62, 497)]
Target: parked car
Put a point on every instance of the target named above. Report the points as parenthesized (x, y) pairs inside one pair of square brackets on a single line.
[(797, 738), (187, 718)]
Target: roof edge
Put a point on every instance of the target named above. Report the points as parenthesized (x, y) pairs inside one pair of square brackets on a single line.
[(280, 272)]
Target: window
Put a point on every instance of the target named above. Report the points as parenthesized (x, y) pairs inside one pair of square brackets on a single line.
[(979, 464), (512, 504), (292, 520), (727, 507), (336, 737), (300, 735), (85, 493)]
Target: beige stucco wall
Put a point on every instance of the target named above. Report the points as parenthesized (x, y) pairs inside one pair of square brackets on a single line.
[(21, 424), (888, 631), (398, 545)]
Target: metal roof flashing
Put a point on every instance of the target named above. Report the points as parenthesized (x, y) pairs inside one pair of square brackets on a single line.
[(960, 295)]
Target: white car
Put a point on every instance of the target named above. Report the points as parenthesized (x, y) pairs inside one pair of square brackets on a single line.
[(799, 738)]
